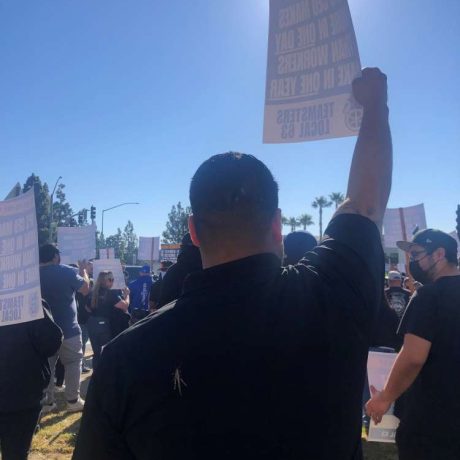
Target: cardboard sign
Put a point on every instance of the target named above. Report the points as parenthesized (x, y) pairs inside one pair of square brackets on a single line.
[(20, 295), (107, 253), (170, 252), (400, 223), (111, 265), (76, 243), (378, 368), (149, 248), (312, 60)]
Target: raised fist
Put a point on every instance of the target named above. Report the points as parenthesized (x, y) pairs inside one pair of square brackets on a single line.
[(370, 90)]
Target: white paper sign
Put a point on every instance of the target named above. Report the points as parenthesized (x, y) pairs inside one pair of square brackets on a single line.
[(378, 368), (20, 296), (107, 253), (111, 265), (312, 60), (397, 219), (76, 243), (149, 248)]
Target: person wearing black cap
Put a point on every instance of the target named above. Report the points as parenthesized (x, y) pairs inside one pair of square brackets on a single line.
[(427, 369), (254, 360)]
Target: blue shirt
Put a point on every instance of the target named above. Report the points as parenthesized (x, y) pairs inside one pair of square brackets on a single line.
[(139, 292), (59, 284)]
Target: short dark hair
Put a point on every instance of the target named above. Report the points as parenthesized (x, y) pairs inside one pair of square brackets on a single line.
[(296, 245), (47, 253), (233, 193)]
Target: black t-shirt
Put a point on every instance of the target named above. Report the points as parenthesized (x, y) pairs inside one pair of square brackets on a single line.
[(107, 299), (432, 403), (253, 361), (398, 298)]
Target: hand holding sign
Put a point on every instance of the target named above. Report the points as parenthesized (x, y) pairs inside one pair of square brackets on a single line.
[(377, 406)]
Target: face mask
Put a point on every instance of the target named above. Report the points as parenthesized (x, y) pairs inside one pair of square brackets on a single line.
[(420, 275), (417, 273)]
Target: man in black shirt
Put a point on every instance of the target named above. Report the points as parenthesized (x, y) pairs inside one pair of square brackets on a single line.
[(428, 364), (254, 360), (396, 295)]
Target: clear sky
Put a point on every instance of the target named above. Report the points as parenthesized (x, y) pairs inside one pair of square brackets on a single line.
[(125, 99)]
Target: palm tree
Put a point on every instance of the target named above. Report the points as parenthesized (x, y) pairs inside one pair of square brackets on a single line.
[(337, 198), (284, 220), (294, 223), (305, 220), (320, 203)]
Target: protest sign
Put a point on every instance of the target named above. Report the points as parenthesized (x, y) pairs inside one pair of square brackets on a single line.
[(400, 223), (111, 265), (107, 253), (76, 243), (378, 368), (170, 252), (312, 60), (149, 248), (20, 296)]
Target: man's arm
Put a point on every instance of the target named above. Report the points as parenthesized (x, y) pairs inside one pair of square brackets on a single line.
[(407, 366), (85, 287), (369, 182)]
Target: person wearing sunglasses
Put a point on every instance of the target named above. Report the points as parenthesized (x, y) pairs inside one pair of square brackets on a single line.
[(427, 368), (101, 304)]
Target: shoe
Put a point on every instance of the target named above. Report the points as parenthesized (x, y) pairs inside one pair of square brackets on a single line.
[(58, 389), (85, 370), (47, 408), (76, 406)]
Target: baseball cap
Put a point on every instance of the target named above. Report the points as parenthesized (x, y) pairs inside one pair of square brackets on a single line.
[(431, 239), (145, 269), (394, 275)]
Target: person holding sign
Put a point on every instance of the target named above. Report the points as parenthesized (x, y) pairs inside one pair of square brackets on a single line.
[(427, 369), (103, 303), (254, 360)]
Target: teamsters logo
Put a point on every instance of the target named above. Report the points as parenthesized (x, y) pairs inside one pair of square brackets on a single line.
[(353, 114)]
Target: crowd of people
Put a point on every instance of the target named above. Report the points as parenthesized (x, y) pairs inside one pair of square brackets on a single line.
[(251, 345)]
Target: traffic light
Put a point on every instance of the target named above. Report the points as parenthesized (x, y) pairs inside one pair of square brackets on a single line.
[(93, 213), (85, 215), (458, 220), (80, 218)]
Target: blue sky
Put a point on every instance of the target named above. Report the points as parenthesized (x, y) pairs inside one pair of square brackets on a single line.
[(126, 99)]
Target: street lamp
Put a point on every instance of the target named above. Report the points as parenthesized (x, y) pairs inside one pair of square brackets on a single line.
[(108, 209), (51, 210)]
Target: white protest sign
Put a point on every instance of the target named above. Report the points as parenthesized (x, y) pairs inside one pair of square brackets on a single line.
[(76, 243), (111, 265), (20, 295), (400, 221), (378, 368), (312, 60), (149, 248), (107, 253)]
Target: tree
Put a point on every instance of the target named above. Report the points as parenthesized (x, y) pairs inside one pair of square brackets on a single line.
[(320, 203), (130, 242), (177, 225), (337, 198), (305, 220), (42, 206), (117, 242), (293, 223), (62, 211)]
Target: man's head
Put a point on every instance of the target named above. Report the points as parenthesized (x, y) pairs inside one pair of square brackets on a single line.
[(164, 265), (394, 278), (296, 244), (145, 270), (49, 254), (234, 200), (431, 253)]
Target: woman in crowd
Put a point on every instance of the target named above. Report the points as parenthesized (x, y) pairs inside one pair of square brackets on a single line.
[(107, 309)]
